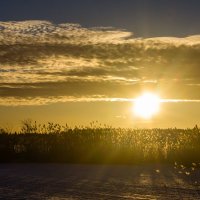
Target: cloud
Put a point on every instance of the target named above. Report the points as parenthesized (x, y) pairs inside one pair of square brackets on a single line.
[(46, 59), (39, 101)]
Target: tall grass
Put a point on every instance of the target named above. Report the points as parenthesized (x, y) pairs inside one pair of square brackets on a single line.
[(99, 144)]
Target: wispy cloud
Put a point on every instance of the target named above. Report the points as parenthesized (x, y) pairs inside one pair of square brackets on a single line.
[(39, 58), (39, 101)]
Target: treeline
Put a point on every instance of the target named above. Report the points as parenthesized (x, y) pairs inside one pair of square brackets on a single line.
[(99, 144)]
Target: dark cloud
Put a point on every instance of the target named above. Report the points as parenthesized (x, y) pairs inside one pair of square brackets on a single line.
[(38, 58)]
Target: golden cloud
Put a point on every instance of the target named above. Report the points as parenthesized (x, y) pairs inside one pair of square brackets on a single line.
[(71, 59)]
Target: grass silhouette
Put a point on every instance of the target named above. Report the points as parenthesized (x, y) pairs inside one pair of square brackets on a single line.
[(99, 144)]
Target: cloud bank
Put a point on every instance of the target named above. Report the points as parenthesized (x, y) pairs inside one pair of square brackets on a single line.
[(39, 59)]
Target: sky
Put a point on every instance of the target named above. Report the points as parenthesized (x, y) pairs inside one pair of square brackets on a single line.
[(75, 61)]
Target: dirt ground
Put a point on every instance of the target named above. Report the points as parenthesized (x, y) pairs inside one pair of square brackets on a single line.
[(63, 181)]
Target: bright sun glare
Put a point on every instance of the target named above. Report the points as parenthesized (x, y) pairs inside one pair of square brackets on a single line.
[(146, 105)]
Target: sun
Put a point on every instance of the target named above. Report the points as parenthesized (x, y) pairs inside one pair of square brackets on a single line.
[(146, 105)]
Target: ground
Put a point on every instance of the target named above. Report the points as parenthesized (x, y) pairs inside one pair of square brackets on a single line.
[(64, 181)]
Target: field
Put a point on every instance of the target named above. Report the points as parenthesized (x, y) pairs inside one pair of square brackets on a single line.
[(99, 144), (99, 162)]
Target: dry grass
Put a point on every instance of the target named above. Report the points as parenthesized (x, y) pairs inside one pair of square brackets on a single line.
[(99, 144)]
